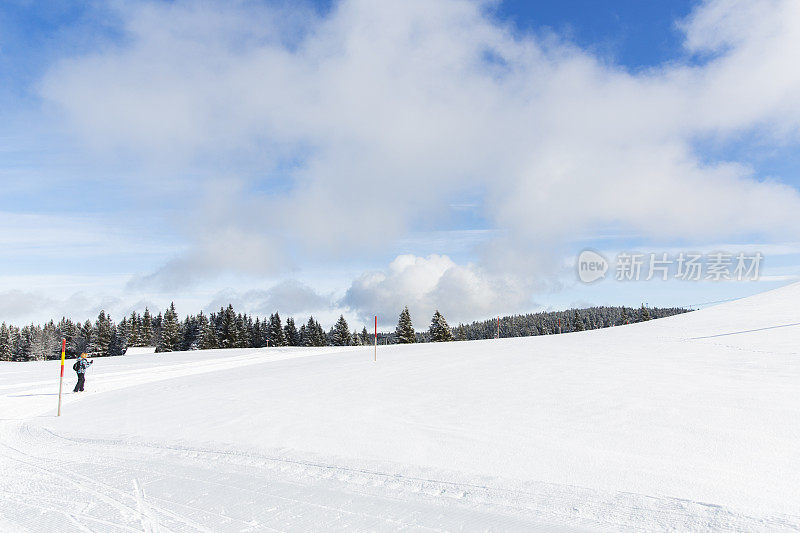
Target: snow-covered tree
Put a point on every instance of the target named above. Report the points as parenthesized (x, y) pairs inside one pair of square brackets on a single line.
[(242, 335), (133, 334), (439, 331), (16, 343), (170, 339), (577, 322), (86, 336), (208, 335), (103, 328), (5, 342), (405, 330), (290, 333), (312, 334), (320, 337), (190, 338), (25, 347), (276, 336), (119, 339), (340, 335), (258, 336), (51, 340), (146, 332), (69, 331), (158, 320), (226, 331)]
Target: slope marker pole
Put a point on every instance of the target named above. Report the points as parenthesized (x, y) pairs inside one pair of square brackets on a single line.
[(376, 338), (61, 379)]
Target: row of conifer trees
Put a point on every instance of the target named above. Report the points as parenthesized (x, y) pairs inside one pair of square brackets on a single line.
[(531, 324), (229, 329)]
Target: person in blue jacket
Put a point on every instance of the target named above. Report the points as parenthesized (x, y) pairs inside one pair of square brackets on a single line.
[(80, 367)]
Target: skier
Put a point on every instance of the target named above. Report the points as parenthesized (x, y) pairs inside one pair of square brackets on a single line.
[(80, 367)]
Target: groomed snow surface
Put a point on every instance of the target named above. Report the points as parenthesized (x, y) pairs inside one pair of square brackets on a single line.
[(685, 423)]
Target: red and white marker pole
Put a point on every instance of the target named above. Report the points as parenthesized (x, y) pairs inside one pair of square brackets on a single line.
[(376, 338), (61, 379)]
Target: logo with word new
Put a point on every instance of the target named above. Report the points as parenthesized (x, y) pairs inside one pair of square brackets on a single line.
[(591, 266)]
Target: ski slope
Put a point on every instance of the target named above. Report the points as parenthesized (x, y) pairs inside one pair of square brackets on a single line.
[(687, 423)]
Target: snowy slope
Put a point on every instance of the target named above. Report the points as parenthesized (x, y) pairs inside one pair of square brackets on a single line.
[(688, 422)]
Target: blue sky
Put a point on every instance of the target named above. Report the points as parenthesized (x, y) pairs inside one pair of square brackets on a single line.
[(631, 33), (353, 157)]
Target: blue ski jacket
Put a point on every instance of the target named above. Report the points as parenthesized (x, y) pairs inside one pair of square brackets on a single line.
[(83, 364)]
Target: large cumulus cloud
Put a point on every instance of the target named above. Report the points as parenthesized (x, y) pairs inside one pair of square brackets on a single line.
[(341, 132)]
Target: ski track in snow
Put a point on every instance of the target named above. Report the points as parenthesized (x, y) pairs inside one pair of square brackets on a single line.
[(191, 489), (128, 455)]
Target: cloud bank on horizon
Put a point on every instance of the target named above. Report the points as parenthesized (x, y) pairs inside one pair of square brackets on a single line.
[(293, 137)]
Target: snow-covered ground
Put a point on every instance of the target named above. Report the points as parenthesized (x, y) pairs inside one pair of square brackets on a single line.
[(687, 423)]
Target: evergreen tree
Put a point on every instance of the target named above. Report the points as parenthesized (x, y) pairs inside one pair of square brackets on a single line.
[(146, 333), (320, 339), (38, 346), (170, 338), (364, 336), (158, 320), (103, 328), (276, 335), (257, 337), (242, 334), (340, 335), (87, 338), (249, 331), (117, 344), (304, 337), (405, 330), (25, 346), (51, 341), (439, 331), (644, 314), (68, 330), (190, 338), (577, 322), (310, 332), (208, 335), (16, 343), (5, 343), (227, 333), (313, 335), (119, 339), (133, 338), (290, 333)]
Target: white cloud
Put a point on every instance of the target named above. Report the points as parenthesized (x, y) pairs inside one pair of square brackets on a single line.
[(15, 304), (42, 236), (425, 284), (20, 307), (288, 297), (392, 109)]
